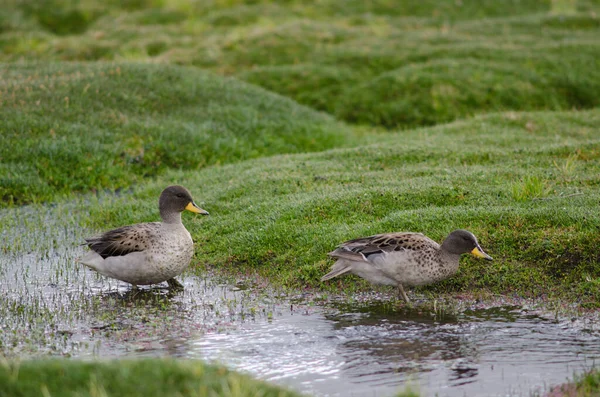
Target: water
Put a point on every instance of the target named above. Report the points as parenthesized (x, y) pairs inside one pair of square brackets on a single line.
[(364, 351), (49, 305)]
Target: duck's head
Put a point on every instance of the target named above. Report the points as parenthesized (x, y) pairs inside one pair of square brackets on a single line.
[(462, 241), (176, 199)]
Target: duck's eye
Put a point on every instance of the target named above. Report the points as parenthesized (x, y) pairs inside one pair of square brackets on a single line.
[(180, 195)]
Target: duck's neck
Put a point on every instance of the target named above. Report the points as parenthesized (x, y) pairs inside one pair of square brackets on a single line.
[(173, 217), (450, 261)]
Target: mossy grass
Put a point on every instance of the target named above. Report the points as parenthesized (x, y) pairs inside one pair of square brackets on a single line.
[(376, 62), (149, 377), (106, 126), (525, 183)]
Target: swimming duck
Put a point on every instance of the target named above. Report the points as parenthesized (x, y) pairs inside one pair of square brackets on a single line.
[(403, 259), (147, 253)]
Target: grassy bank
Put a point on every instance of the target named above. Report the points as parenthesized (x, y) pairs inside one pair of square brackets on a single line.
[(375, 62), (70, 128), (131, 378)]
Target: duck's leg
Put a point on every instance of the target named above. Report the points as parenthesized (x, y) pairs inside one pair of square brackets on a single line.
[(174, 284), (403, 294), (134, 291)]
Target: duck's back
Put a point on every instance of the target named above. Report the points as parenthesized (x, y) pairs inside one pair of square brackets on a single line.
[(125, 240)]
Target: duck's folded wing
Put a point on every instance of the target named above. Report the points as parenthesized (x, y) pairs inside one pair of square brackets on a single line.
[(123, 240), (361, 249)]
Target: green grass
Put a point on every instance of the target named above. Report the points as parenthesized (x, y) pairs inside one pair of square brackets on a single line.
[(107, 126), (144, 377), (128, 378), (584, 385), (588, 384), (379, 62)]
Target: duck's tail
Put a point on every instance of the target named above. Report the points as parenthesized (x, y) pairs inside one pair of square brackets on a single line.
[(92, 260), (340, 267)]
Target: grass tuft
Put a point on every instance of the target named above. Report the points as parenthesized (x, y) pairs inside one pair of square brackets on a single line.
[(530, 188)]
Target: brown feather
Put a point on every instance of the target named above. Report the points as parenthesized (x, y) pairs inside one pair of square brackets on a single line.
[(123, 240), (381, 243)]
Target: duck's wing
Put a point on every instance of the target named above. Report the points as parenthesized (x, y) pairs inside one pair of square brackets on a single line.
[(124, 240), (361, 249)]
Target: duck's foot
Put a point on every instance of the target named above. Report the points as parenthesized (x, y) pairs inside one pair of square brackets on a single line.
[(174, 284)]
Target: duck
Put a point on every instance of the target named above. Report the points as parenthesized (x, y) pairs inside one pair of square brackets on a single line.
[(147, 253), (403, 259)]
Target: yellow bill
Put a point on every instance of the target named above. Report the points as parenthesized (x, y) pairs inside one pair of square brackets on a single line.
[(478, 252), (192, 207)]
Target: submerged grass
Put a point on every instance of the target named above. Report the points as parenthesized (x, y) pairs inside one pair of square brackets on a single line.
[(162, 377), (584, 385)]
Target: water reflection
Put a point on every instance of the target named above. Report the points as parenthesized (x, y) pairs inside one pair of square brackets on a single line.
[(365, 351), (385, 347)]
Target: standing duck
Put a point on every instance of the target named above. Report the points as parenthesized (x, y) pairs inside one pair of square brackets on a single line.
[(403, 259), (147, 253)]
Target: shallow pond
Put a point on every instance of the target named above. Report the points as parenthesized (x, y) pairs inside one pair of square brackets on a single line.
[(51, 306), (363, 351)]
